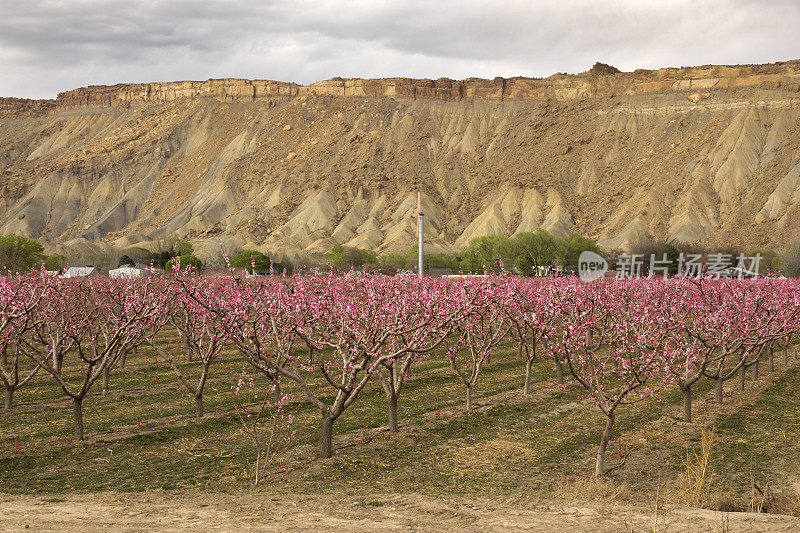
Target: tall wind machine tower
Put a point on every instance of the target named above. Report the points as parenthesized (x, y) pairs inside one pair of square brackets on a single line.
[(419, 234)]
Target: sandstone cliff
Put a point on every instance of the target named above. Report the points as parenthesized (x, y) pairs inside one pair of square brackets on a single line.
[(701, 154), (21, 107), (600, 81)]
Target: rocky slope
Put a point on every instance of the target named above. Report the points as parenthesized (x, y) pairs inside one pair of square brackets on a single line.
[(702, 154)]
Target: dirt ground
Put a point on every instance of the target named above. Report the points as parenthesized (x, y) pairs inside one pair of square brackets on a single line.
[(163, 511)]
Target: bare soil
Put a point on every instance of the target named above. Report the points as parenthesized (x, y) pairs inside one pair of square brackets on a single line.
[(170, 511)]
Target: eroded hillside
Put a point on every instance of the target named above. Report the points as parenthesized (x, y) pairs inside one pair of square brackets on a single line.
[(704, 154)]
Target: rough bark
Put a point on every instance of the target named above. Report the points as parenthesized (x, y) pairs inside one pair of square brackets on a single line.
[(601, 453), (528, 368), (391, 400), (469, 398), (77, 418), (392, 383), (9, 399), (198, 407), (326, 437), (718, 390), (687, 402)]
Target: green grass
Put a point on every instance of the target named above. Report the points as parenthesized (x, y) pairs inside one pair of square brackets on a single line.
[(760, 443), (143, 436)]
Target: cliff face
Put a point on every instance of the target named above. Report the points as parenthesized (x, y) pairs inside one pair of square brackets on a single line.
[(601, 81), (21, 107), (700, 154)]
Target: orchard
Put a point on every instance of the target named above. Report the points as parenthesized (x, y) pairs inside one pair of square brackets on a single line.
[(330, 344)]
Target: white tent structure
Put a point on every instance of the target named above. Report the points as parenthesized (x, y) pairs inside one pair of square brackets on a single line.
[(127, 271)]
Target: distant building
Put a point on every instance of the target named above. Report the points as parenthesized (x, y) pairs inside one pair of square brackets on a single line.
[(549, 270), (129, 272), (80, 272)]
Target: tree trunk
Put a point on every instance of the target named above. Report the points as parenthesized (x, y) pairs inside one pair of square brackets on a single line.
[(106, 372), (258, 463), (77, 418), (601, 453), (786, 354), (469, 398), (391, 399), (326, 437), (528, 366), (741, 378), (9, 399), (755, 370), (123, 359), (559, 371), (687, 402), (718, 389), (198, 406), (57, 363), (771, 359)]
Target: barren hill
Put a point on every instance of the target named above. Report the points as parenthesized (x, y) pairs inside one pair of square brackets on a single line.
[(700, 154)]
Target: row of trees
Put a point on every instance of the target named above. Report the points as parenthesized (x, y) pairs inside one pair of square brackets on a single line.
[(256, 262), (770, 263), (523, 253), (164, 258), (182, 253), (330, 336), (20, 254), (530, 252)]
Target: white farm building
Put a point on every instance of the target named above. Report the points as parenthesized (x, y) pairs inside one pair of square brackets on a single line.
[(80, 272), (129, 272)]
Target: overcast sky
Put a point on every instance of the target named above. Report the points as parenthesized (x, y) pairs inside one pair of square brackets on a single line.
[(48, 46)]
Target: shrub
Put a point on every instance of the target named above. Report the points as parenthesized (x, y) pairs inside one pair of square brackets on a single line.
[(185, 261), (20, 253), (345, 257), (125, 260)]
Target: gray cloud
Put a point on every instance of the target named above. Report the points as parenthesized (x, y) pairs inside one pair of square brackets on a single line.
[(47, 46)]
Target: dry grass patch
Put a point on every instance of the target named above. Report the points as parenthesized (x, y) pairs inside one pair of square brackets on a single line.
[(489, 455), (592, 488), (694, 485), (781, 502)]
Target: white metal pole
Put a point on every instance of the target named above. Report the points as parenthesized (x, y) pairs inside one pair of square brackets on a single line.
[(420, 266), (421, 271)]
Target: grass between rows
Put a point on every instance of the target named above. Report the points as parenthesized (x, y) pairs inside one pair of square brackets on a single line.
[(143, 437)]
